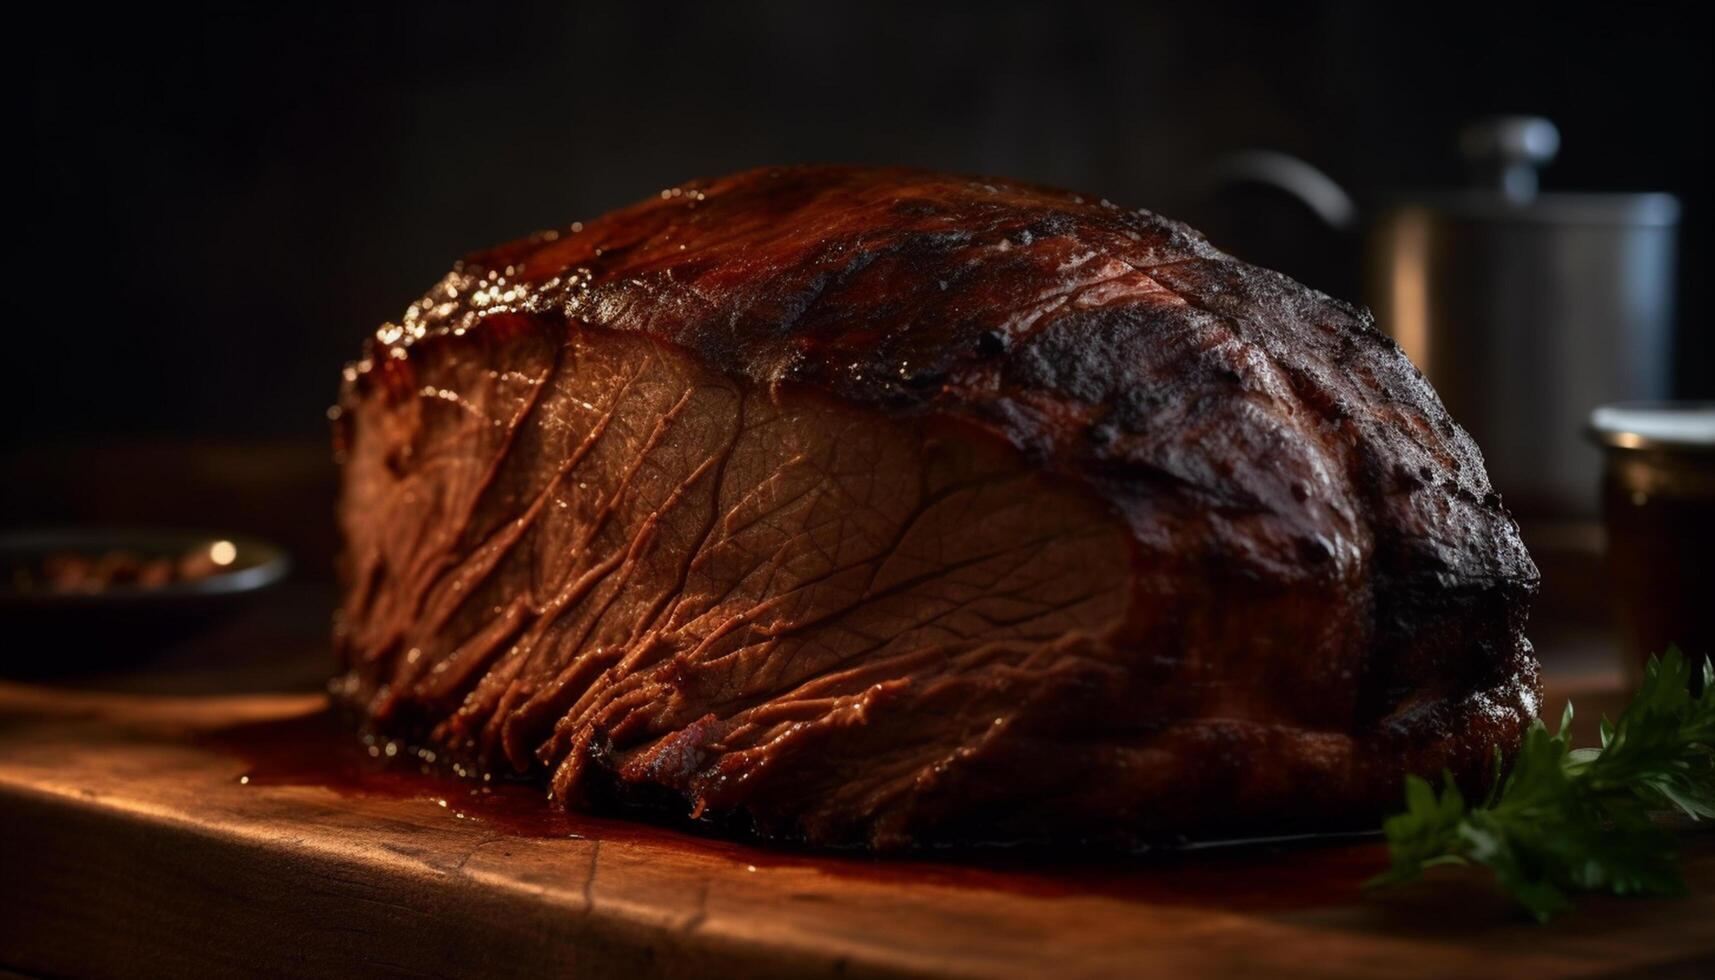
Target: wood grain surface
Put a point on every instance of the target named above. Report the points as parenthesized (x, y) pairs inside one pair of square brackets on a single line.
[(151, 835)]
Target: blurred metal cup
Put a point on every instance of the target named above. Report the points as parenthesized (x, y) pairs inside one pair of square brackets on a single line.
[(1528, 310), (1658, 499), (1525, 309)]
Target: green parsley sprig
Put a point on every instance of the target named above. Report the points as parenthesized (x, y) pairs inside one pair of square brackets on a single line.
[(1566, 820)]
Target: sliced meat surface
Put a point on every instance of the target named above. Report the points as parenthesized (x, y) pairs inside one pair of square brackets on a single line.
[(883, 507)]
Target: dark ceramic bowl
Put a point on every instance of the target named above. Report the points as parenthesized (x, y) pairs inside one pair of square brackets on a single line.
[(55, 630)]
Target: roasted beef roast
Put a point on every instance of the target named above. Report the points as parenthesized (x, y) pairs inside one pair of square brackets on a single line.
[(883, 507)]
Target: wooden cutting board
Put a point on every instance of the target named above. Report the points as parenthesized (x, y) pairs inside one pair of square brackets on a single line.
[(175, 836)]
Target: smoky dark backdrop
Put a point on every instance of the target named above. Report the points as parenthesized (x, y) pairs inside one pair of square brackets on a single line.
[(221, 201)]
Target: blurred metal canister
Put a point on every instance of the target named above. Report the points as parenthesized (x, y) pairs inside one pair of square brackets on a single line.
[(1527, 310), (1658, 500)]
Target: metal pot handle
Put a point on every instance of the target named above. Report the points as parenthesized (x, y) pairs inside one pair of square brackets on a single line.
[(1284, 172)]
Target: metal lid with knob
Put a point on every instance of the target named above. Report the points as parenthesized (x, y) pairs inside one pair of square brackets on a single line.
[(1505, 155), (1507, 151)]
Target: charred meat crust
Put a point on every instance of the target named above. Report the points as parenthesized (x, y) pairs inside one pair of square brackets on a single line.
[(886, 507)]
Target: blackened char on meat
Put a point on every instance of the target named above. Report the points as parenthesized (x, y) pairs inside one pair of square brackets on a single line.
[(886, 507)]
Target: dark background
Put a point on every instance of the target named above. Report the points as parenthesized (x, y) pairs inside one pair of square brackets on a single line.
[(220, 202)]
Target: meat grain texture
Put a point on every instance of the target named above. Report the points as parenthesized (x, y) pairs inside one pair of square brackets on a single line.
[(890, 508)]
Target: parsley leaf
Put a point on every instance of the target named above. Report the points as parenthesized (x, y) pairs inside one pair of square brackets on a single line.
[(1565, 820)]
